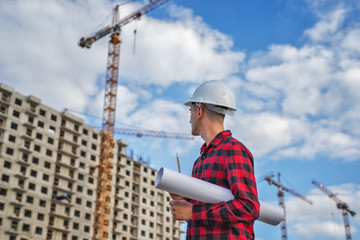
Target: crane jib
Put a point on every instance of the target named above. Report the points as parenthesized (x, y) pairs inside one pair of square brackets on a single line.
[(86, 42)]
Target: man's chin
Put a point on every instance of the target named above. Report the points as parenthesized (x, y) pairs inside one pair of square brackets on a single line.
[(195, 134)]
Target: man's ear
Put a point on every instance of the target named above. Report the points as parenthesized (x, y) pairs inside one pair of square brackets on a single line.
[(200, 112)]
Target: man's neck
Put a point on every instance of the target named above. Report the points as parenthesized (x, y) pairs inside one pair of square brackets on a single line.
[(211, 132)]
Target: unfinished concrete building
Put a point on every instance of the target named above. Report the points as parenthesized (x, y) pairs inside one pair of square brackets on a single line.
[(48, 179)]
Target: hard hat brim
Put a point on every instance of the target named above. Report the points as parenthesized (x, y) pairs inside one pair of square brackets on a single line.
[(188, 103)]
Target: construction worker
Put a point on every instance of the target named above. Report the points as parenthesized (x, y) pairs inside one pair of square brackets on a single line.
[(224, 161)]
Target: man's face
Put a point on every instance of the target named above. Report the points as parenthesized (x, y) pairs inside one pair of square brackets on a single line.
[(193, 119)]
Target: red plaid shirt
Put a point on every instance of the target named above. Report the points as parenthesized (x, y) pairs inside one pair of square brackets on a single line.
[(227, 163)]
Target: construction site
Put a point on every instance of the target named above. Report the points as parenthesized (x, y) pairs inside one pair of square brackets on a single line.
[(49, 171), (62, 178)]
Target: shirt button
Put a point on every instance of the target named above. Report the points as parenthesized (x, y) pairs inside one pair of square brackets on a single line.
[(203, 156)]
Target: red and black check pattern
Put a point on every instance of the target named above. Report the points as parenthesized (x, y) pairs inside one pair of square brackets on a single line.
[(228, 163)]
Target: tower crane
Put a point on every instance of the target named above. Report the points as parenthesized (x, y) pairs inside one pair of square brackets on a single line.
[(263, 177), (103, 191), (282, 188), (341, 205)]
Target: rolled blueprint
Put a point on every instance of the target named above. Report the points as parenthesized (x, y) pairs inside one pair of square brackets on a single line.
[(206, 192)]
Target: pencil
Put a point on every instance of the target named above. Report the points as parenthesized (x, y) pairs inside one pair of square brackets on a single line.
[(177, 157)]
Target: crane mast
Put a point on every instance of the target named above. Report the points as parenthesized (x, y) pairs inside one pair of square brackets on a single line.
[(282, 204), (341, 205), (281, 189), (103, 190)]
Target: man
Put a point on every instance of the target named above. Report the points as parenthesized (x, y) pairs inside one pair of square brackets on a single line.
[(224, 161)]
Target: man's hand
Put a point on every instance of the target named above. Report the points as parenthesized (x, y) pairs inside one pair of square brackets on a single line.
[(181, 210)]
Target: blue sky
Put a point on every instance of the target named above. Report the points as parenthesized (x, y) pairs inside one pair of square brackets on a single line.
[(294, 67)]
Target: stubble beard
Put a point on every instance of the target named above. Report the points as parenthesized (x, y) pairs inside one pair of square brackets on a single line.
[(194, 130)]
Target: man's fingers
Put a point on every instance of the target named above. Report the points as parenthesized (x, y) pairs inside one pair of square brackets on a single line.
[(181, 209), (172, 208)]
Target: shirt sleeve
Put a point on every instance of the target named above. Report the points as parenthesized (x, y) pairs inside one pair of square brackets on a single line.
[(245, 206)]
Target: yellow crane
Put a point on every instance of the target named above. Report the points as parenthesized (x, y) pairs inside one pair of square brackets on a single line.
[(341, 205), (103, 192), (282, 188)]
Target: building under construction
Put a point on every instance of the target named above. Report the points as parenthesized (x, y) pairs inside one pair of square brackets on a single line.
[(48, 179)]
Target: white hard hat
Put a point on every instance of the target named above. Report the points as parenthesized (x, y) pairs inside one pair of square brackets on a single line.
[(216, 95)]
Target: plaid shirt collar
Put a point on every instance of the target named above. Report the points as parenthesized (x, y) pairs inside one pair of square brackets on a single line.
[(217, 140)]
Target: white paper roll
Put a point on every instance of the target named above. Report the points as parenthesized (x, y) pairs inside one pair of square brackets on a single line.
[(206, 192)]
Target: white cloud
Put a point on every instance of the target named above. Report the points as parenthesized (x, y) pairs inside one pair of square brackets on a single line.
[(351, 40), (309, 86), (351, 81), (327, 26), (293, 101), (126, 102), (184, 49), (40, 54), (315, 228), (293, 74), (161, 115), (322, 139), (323, 218), (266, 132)]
